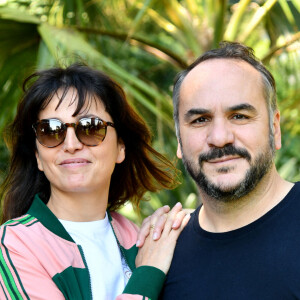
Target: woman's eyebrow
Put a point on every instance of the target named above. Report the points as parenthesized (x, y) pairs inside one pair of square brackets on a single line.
[(84, 115)]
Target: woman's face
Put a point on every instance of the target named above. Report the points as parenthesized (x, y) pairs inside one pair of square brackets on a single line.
[(73, 166)]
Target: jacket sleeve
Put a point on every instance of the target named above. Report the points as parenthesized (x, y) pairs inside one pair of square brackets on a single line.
[(145, 282), (21, 274)]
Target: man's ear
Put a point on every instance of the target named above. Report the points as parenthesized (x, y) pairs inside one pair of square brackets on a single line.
[(39, 163), (179, 151), (276, 130), (121, 151)]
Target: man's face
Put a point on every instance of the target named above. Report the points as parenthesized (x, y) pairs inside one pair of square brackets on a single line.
[(225, 139)]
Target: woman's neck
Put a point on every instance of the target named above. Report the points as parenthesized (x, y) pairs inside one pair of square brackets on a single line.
[(78, 207)]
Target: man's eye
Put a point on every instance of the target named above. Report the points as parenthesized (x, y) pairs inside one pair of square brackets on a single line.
[(200, 120), (239, 117)]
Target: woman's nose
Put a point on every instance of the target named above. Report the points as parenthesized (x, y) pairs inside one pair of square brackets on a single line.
[(71, 142)]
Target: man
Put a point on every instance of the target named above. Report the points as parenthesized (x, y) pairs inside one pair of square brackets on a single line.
[(243, 242)]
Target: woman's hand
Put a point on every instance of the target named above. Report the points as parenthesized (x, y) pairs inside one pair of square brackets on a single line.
[(159, 253), (157, 222)]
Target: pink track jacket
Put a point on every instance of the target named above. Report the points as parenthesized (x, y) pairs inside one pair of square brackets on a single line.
[(40, 261)]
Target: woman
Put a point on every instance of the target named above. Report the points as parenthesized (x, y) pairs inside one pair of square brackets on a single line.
[(79, 152)]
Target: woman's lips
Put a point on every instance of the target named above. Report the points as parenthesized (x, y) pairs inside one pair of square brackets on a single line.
[(74, 162)]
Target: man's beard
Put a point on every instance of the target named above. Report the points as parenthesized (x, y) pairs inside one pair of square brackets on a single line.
[(258, 169)]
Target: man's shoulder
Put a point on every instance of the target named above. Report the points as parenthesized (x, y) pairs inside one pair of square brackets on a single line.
[(292, 195), (296, 188)]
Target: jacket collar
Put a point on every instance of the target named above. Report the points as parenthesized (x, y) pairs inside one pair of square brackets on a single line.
[(39, 210)]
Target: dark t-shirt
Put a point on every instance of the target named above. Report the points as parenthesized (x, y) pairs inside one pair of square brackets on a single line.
[(259, 261)]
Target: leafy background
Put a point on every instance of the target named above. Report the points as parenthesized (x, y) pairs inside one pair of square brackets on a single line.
[(143, 45)]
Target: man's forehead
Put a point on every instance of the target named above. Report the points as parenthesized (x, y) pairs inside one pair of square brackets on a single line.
[(216, 68), (216, 78)]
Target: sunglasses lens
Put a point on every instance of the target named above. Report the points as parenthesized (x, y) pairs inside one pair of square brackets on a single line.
[(50, 133), (91, 131)]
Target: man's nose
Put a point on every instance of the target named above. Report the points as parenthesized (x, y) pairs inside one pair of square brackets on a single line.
[(71, 142), (220, 133)]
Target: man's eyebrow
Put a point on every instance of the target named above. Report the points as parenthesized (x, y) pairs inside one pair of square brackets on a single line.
[(242, 106), (195, 111), (201, 111)]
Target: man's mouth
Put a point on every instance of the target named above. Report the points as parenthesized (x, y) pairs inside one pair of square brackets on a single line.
[(223, 159)]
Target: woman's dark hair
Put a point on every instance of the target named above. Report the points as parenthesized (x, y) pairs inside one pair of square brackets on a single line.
[(143, 169)]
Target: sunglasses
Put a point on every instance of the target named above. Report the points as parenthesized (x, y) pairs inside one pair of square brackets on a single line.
[(89, 131)]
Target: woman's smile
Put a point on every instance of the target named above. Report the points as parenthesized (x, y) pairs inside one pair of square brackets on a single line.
[(75, 163)]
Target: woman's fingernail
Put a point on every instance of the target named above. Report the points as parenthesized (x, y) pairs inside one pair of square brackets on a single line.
[(155, 235), (178, 204), (175, 224), (138, 243)]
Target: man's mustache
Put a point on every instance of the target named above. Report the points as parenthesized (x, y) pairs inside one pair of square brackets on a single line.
[(225, 151)]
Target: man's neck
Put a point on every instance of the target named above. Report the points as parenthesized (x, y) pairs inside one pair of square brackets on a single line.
[(221, 216)]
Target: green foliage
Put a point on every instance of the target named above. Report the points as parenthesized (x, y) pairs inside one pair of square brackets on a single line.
[(142, 45)]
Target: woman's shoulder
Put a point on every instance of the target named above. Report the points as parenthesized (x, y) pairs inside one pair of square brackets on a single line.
[(25, 220), (119, 219), (125, 230), (17, 231), (24, 228)]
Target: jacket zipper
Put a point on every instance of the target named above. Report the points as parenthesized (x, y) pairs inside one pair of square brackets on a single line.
[(85, 263), (121, 249)]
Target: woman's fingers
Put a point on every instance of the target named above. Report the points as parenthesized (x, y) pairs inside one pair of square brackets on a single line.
[(175, 233), (149, 223), (172, 219), (159, 227), (185, 221), (180, 217), (162, 219), (176, 217), (159, 253), (158, 222)]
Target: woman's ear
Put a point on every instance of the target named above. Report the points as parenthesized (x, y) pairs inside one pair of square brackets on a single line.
[(39, 163), (121, 152)]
